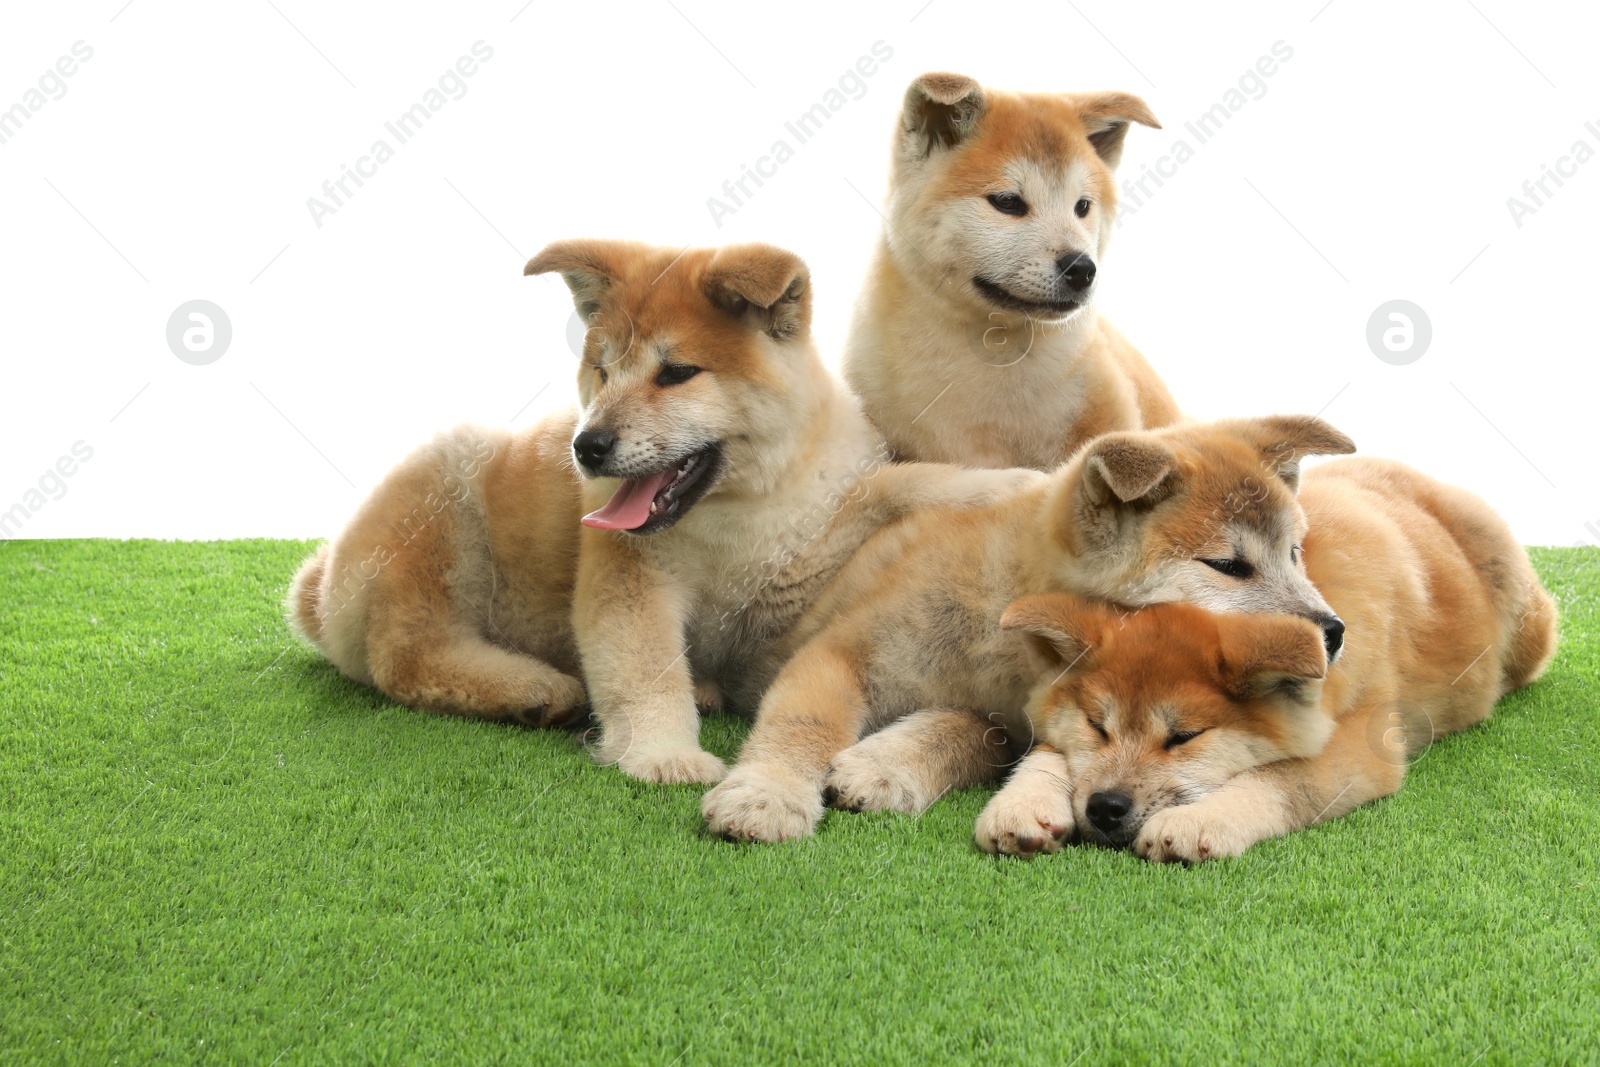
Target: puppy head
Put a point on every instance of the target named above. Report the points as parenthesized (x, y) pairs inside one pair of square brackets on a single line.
[(694, 368), (1161, 706), (1007, 200), (1204, 513)]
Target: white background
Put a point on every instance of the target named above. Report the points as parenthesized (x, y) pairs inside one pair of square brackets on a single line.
[(177, 165)]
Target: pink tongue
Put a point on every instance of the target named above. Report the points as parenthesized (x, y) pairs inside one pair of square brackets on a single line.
[(629, 506)]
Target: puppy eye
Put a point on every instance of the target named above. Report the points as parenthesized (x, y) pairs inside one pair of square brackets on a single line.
[(604, 377), (1295, 552), (1081, 208), (1099, 729), (1181, 737), (1233, 568), (676, 374), (1008, 203)]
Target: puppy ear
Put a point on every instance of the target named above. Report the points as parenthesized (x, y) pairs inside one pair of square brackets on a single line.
[(1272, 655), (588, 267), (1285, 439), (941, 110), (1060, 629), (767, 284), (1127, 468), (1106, 117), (1113, 481)]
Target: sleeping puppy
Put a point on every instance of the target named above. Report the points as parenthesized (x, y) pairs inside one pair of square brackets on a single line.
[(1186, 735), (908, 635), (721, 477), (976, 340)]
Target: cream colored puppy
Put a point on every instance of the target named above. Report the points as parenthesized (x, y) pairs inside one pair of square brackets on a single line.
[(976, 340), (721, 477)]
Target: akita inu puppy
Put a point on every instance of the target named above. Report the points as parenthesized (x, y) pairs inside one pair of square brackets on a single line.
[(725, 476), (975, 339), (909, 630), (1191, 736)]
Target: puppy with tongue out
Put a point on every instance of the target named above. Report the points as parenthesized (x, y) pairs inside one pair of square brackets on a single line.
[(644, 554), (656, 501), (726, 477)]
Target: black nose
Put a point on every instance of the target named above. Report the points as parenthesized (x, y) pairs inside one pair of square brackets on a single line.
[(1107, 810), (1077, 270), (1332, 634), (593, 446)]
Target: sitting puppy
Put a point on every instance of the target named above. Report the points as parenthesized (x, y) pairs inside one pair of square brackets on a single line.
[(725, 477), (908, 633), (975, 339), (1190, 736)]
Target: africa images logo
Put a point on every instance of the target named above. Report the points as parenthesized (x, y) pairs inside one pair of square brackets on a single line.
[(802, 128), (451, 85)]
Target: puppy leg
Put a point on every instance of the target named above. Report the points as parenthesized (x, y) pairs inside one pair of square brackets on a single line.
[(707, 695), (629, 623), (813, 711), (909, 764), (1273, 800), (1033, 811), (905, 487), (458, 672), (423, 651)]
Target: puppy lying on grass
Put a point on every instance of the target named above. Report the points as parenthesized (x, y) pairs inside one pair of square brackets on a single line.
[(1185, 735), (908, 633), (721, 476)]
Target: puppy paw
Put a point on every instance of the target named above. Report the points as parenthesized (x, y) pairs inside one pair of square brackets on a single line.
[(1015, 479), (1025, 818), (666, 765), (562, 702), (758, 803), (860, 781), (1186, 834), (707, 695)]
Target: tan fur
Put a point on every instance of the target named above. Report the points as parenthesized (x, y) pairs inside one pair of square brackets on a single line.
[(911, 624), (1444, 613), (466, 585), (1033, 813), (449, 588), (911, 763), (944, 370)]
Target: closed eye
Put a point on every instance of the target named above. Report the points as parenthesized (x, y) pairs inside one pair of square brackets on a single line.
[(1233, 568), (1101, 730), (676, 374), (1180, 737)]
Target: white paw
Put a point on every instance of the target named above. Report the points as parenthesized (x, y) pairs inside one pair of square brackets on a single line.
[(1188, 834), (860, 781), (1016, 479), (758, 803), (1026, 818), (672, 764)]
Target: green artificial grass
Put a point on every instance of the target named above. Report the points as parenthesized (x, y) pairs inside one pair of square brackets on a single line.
[(215, 849)]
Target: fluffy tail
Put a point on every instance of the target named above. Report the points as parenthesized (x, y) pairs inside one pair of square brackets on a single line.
[(303, 605), (1534, 641)]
